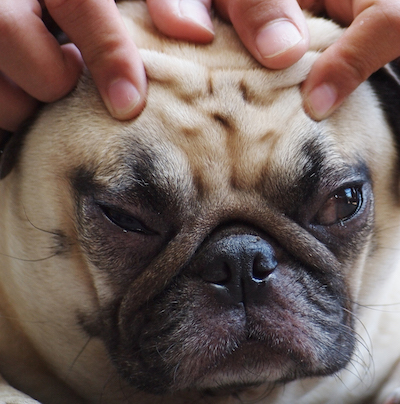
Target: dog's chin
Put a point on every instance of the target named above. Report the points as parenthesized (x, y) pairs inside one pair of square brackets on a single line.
[(229, 350), (250, 366), (237, 374)]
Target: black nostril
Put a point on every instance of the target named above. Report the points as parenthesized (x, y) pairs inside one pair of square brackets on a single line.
[(263, 266)]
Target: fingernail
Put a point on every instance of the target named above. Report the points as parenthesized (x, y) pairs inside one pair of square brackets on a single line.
[(277, 37), (198, 13), (123, 97), (321, 100)]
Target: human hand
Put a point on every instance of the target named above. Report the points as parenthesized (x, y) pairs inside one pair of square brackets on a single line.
[(371, 41), (33, 66), (274, 31)]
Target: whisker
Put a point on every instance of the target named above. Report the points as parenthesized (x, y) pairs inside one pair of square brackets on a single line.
[(29, 260), (38, 228), (52, 233), (80, 353)]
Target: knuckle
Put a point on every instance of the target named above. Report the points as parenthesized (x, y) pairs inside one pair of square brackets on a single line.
[(356, 67), (384, 13), (391, 16), (70, 11), (253, 11), (54, 5), (9, 24), (112, 50)]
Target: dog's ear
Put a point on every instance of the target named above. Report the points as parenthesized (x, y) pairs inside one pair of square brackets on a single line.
[(10, 146), (386, 84), (5, 138)]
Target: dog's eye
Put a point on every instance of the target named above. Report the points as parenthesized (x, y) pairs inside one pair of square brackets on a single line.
[(341, 206), (125, 221)]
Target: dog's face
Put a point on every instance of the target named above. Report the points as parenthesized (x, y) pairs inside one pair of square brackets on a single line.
[(221, 240)]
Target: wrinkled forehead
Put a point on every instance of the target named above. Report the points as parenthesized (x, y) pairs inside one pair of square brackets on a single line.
[(224, 105), (214, 129), (217, 109), (189, 79)]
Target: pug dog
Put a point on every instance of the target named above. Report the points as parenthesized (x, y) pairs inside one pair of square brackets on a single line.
[(222, 247)]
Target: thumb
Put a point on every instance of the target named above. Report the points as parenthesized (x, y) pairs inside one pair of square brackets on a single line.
[(371, 41), (275, 32)]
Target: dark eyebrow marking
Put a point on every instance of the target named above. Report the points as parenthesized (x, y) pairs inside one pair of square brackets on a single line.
[(137, 177), (313, 167), (321, 171), (316, 172), (137, 189)]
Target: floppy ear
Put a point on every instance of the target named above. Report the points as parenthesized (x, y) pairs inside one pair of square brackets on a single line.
[(5, 138), (386, 84), (10, 146)]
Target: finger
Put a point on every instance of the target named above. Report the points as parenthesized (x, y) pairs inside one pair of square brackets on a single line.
[(340, 11), (274, 31), (315, 6), (15, 105), (183, 19), (372, 40), (32, 58), (97, 29)]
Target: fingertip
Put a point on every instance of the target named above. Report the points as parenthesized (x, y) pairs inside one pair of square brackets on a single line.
[(275, 33), (198, 14), (72, 57), (280, 43), (123, 83), (61, 79), (123, 100), (187, 20), (73, 64), (331, 80), (321, 101)]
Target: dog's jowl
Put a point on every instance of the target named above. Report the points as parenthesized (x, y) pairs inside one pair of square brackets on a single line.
[(222, 247)]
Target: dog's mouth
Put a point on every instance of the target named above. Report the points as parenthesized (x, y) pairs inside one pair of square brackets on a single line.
[(192, 336)]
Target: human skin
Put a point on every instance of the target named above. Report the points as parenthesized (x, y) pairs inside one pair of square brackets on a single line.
[(35, 68)]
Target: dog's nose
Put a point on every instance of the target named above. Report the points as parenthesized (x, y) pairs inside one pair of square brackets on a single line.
[(238, 268)]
